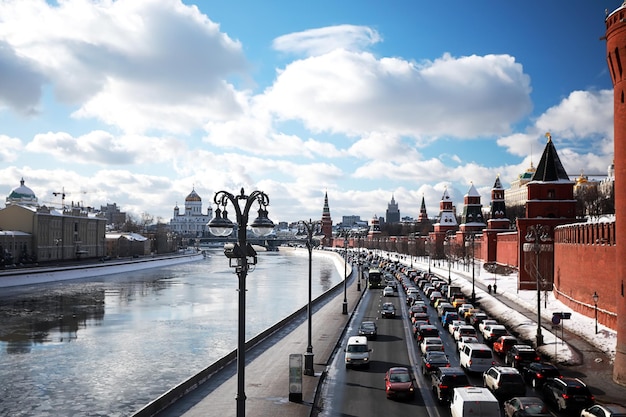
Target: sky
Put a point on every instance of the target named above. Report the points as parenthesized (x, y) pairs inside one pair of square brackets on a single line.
[(139, 102)]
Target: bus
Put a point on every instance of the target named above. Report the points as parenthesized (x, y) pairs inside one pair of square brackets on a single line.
[(375, 278)]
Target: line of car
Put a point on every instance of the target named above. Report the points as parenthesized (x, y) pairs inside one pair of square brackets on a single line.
[(524, 366), (479, 339)]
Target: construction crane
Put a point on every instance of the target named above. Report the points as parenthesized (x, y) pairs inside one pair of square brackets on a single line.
[(63, 193)]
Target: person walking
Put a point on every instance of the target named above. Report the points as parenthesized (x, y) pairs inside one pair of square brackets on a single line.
[(489, 288), (495, 288)]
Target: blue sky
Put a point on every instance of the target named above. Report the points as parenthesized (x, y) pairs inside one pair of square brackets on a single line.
[(137, 102)]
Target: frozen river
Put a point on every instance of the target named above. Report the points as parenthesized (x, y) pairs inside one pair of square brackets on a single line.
[(107, 346)]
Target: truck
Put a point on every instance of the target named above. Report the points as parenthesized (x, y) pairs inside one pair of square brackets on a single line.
[(452, 290), (474, 402), (375, 278)]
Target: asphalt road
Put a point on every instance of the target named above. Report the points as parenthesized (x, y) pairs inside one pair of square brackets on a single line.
[(361, 392)]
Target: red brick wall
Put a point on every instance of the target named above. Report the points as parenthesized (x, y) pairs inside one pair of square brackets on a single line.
[(507, 249), (579, 271)]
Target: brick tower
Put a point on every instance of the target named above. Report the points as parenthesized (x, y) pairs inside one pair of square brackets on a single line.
[(616, 60), (327, 224)]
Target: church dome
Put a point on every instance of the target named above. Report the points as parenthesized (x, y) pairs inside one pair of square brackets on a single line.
[(21, 195), (193, 196)]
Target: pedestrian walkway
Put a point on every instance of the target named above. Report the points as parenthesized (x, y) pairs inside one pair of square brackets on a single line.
[(267, 369)]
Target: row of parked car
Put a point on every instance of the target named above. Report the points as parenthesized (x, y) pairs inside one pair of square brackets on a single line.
[(479, 339)]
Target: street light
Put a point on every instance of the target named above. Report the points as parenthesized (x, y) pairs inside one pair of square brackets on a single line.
[(595, 297), (344, 305), (448, 242), (245, 256), (308, 356), (471, 238), (535, 235)]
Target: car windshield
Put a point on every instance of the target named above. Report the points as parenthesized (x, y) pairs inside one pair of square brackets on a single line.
[(511, 378), (368, 326), (460, 380), (535, 409), (400, 377), (482, 354), (437, 356), (357, 348)]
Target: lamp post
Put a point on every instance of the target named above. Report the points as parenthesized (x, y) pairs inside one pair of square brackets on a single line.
[(535, 235), (358, 263), (308, 356), (344, 305), (595, 297), (428, 241), (449, 235), (471, 238), (241, 255)]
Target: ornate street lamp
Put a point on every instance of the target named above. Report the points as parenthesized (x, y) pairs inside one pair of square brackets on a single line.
[(344, 305), (595, 297), (535, 236), (308, 356), (471, 238), (240, 256), (448, 243)]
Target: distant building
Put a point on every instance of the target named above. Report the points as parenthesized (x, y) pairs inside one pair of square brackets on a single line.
[(393, 212), (33, 233), (115, 217), (191, 223), (517, 195)]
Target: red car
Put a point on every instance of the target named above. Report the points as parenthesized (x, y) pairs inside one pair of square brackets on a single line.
[(503, 344), (399, 383)]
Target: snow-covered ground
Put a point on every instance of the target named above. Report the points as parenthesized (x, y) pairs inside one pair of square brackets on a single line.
[(555, 348)]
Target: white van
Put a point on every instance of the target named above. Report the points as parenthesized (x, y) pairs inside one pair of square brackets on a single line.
[(474, 402), (357, 352), (476, 357)]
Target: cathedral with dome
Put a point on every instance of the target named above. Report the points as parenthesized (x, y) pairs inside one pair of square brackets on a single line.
[(191, 222)]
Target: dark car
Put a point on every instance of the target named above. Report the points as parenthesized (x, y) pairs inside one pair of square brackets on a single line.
[(427, 330), (519, 356), (526, 407), (433, 360), (388, 310), (444, 380), (567, 394), (536, 373), (368, 329), (399, 383)]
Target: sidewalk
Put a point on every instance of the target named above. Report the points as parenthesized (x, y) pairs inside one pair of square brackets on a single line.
[(267, 369)]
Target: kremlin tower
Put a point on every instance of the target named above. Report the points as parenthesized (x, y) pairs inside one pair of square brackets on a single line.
[(327, 224), (616, 60)]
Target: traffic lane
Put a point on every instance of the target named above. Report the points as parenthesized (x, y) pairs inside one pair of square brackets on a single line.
[(362, 391), (475, 378)]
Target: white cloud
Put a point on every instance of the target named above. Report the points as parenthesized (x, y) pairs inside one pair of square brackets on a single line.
[(356, 94), (100, 147), (9, 149), (138, 65), (323, 40)]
